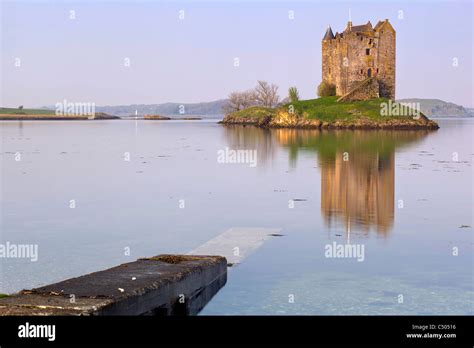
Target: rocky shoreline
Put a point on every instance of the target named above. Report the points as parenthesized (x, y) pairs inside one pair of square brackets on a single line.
[(283, 119)]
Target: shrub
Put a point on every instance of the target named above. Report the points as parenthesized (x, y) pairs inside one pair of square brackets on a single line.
[(326, 89)]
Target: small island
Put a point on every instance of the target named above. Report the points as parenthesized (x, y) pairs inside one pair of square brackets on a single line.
[(328, 113), (165, 118), (156, 117), (357, 89), (190, 118)]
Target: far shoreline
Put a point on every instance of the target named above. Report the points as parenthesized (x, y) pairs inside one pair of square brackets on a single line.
[(35, 117)]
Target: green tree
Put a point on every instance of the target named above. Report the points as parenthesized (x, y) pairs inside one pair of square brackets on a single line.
[(293, 94)]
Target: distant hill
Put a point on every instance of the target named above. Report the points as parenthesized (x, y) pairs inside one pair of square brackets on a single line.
[(213, 108), (439, 108), (430, 107)]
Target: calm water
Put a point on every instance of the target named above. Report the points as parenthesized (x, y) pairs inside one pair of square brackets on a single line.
[(402, 195)]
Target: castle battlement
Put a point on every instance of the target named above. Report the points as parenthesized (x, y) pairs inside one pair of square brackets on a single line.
[(358, 53)]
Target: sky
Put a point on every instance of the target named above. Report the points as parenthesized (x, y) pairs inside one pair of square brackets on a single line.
[(150, 52)]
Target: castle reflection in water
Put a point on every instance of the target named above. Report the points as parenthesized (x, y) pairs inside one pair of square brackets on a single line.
[(357, 169), (359, 191)]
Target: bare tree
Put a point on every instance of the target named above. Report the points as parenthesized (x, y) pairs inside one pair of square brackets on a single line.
[(266, 94), (240, 100)]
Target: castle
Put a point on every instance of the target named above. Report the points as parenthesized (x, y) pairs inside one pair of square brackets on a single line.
[(360, 61)]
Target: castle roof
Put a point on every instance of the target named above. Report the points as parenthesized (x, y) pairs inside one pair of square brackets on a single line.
[(378, 25), (382, 24), (359, 28), (329, 34), (363, 28)]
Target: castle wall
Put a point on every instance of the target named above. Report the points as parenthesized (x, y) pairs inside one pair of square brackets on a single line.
[(359, 62), (386, 63)]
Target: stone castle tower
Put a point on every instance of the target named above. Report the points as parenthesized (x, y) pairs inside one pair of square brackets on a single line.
[(360, 61)]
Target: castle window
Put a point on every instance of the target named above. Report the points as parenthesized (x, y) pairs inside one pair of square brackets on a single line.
[(370, 41), (361, 71), (367, 51), (377, 70), (361, 38)]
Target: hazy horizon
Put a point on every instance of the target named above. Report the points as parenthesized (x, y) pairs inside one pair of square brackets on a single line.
[(191, 60)]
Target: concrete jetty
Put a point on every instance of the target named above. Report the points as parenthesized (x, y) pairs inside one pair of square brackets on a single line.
[(160, 285)]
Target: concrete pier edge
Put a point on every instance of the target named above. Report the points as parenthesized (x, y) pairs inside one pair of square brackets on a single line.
[(159, 285)]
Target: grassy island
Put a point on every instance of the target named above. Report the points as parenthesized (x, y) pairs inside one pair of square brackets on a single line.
[(327, 112)]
